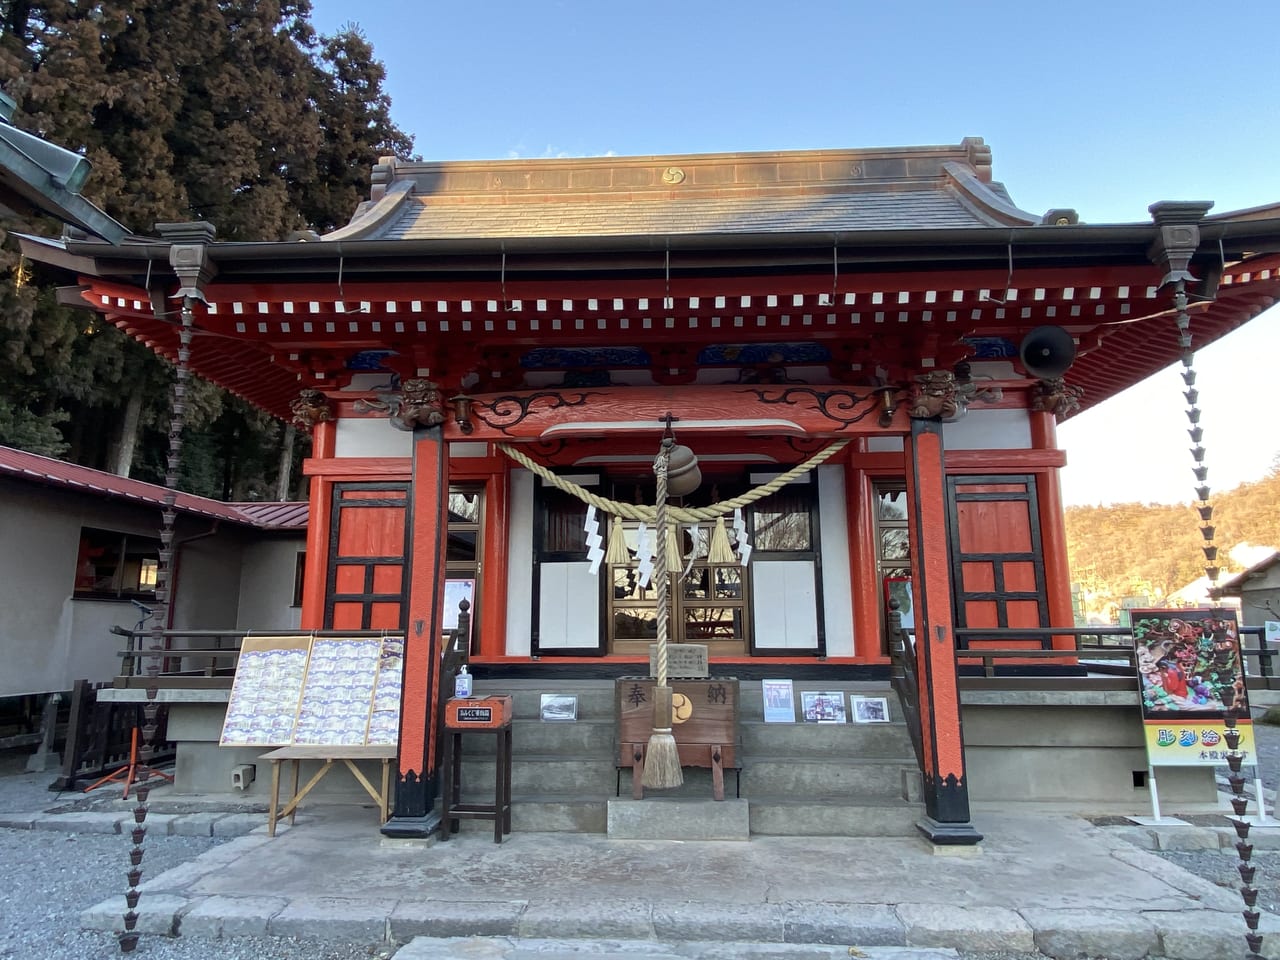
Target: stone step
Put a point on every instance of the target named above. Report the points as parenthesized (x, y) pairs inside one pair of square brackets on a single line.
[(777, 817), (550, 813), (616, 948), (596, 698), (595, 738), (835, 778), (889, 740), (834, 818), (580, 738), (541, 774), (550, 776), (842, 778), (667, 819)]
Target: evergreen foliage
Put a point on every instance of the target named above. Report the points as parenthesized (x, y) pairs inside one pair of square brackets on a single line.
[(231, 111)]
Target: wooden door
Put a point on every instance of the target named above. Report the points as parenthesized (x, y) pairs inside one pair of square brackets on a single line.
[(997, 564), (368, 550)]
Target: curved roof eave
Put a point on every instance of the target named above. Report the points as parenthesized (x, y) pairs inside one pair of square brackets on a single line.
[(979, 196), (372, 218)]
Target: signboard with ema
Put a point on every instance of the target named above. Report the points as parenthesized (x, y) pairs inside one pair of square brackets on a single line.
[(1191, 675)]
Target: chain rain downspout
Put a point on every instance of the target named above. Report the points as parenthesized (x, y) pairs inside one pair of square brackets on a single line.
[(189, 257), (1235, 758)]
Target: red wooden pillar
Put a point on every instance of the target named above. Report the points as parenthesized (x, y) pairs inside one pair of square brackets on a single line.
[(493, 627), (946, 791), (417, 777), (323, 442), (1053, 530), (861, 504)]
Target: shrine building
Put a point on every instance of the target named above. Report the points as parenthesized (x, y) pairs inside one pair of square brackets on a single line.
[(491, 350)]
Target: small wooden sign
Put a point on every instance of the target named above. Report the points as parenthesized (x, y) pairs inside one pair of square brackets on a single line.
[(483, 713), (683, 660)]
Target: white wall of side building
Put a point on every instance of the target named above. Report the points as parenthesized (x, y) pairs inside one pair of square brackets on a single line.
[(267, 572)]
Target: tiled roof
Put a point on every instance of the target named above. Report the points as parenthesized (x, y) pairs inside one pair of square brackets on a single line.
[(803, 191), (422, 218), (31, 467)]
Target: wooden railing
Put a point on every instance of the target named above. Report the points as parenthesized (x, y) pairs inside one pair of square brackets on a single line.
[(206, 659), (194, 656), (195, 659), (902, 650), (1106, 650), (1097, 656)]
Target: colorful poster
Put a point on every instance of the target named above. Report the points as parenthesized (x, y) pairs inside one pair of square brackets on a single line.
[(1190, 675)]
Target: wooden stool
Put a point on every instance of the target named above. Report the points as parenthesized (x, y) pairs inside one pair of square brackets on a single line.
[(487, 715)]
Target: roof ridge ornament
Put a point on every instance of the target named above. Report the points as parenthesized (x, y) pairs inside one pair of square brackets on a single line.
[(978, 155), (384, 172)]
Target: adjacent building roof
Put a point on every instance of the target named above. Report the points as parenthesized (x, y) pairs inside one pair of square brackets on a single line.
[(1237, 583), (19, 464), (40, 177)]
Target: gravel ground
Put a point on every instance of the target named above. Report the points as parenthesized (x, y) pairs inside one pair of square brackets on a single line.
[(50, 877), (1220, 868)]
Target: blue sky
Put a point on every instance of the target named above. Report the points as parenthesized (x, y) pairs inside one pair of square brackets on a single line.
[(1102, 107)]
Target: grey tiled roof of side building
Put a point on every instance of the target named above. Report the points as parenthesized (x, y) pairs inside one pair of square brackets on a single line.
[(924, 209)]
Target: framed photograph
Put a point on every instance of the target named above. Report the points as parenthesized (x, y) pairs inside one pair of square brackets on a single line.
[(870, 709), (557, 707), (779, 701), (823, 707)]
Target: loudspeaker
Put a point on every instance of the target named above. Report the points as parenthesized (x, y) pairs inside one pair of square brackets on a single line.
[(1046, 352)]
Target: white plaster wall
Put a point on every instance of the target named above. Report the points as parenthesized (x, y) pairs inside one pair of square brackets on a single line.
[(266, 584), (37, 573), (988, 430), (373, 437), (520, 570), (207, 593), (47, 639), (885, 444), (837, 604)]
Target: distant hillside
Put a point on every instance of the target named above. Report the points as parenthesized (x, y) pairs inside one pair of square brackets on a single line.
[(1132, 549)]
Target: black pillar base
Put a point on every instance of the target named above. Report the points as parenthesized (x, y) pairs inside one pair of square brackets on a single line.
[(412, 828), (948, 834)]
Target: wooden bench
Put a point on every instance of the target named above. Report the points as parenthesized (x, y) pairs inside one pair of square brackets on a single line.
[(328, 755), (708, 737)]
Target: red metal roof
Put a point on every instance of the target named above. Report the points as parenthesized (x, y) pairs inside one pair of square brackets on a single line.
[(70, 476), (275, 515)]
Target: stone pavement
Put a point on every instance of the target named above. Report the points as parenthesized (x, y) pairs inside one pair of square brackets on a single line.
[(1039, 883)]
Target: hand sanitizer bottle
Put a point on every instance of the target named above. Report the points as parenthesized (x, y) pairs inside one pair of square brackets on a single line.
[(462, 683)]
